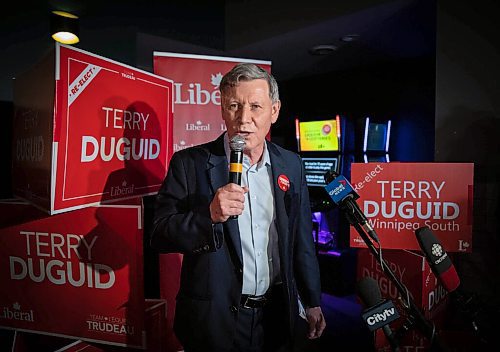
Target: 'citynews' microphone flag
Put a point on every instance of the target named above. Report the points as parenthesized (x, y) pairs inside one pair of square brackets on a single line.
[(378, 313)]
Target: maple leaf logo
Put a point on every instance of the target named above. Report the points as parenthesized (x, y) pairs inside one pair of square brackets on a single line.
[(16, 306), (215, 80), (124, 184), (182, 143), (198, 122)]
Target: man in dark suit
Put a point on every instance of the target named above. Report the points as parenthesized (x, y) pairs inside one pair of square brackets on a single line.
[(245, 281)]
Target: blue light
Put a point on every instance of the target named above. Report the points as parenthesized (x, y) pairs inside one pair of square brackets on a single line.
[(365, 140), (388, 135)]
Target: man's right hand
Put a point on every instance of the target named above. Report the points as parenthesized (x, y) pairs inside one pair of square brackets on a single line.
[(229, 200)]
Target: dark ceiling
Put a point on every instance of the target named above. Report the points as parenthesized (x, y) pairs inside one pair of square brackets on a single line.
[(280, 31)]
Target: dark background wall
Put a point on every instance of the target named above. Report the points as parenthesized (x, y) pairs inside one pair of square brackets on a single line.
[(468, 125), (402, 91)]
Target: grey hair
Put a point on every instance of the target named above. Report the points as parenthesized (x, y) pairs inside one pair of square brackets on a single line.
[(248, 72)]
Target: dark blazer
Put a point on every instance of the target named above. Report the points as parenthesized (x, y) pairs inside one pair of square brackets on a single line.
[(212, 269)]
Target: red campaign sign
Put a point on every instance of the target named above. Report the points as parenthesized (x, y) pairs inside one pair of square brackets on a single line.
[(413, 271), (155, 317), (399, 198), (196, 94), (110, 135), (77, 274), (409, 268)]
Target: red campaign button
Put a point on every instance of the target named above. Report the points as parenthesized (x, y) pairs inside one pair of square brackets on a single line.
[(283, 182)]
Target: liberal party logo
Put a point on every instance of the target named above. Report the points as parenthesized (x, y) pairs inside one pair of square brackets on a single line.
[(194, 93), (16, 313), (216, 79), (123, 190), (198, 126), (182, 145)]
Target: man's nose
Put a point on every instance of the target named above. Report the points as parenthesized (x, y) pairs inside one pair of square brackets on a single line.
[(245, 115)]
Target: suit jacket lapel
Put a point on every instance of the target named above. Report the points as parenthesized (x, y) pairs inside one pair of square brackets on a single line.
[(278, 168), (217, 165), (218, 172)]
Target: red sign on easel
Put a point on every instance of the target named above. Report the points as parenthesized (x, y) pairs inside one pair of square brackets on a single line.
[(399, 198), (87, 130), (76, 275)]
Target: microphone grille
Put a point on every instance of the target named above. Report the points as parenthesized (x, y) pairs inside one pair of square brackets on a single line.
[(369, 292), (237, 143), (330, 176)]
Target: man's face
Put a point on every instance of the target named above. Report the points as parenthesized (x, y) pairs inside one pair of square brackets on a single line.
[(248, 111)]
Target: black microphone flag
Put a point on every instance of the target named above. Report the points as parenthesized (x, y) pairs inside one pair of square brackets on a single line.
[(438, 259)]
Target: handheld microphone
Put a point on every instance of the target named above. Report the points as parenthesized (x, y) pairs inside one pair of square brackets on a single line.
[(236, 144), (438, 259), (344, 195), (379, 312)]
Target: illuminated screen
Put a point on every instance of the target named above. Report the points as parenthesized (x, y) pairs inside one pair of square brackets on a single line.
[(316, 168), (377, 135), (318, 136)]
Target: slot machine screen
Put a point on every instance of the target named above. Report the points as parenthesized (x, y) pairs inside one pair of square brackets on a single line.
[(376, 137), (316, 168), (319, 136)]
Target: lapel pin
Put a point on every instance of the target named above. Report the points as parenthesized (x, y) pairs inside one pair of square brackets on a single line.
[(283, 182)]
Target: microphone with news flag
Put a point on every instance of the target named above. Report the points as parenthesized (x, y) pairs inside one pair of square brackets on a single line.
[(442, 266), (343, 194), (438, 259), (378, 313)]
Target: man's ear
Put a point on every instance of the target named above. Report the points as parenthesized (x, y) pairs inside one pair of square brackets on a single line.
[(275, 111)]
